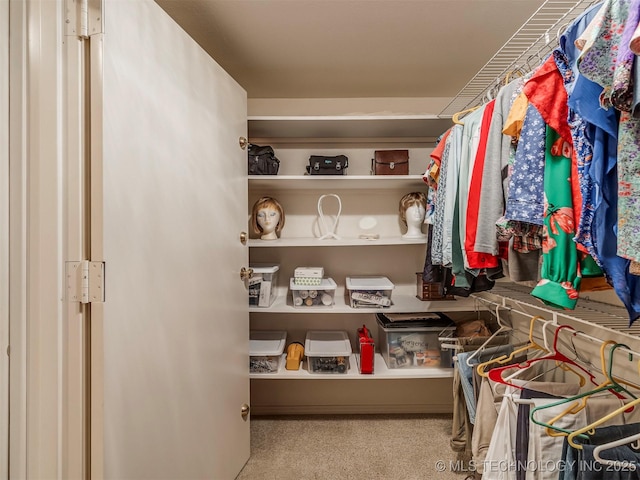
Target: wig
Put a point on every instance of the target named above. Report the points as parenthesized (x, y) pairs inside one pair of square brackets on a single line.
[(266, 202), (409, 200)]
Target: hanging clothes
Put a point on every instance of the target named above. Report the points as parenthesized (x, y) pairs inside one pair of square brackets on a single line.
[(525, 202), (560, 273), (476, 259), (599, 62), (601, 130), (451, 195), (566, 58), (495, 174), (438, 215), (470, 144)]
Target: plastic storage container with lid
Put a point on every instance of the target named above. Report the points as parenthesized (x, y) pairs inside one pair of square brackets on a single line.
[(369, 292), (265, 350), (262, 285), (415, 342), (327, 351), (321, 296)]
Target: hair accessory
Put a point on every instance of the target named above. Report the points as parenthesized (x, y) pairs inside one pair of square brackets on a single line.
[(326, 231)]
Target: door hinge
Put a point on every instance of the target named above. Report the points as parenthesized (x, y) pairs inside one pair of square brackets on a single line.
[(85, 281), (83, 17)]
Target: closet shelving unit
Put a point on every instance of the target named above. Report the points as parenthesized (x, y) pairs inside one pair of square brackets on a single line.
[(362, 194)]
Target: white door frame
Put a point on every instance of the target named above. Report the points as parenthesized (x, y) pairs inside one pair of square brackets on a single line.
[(4, 238), (46, 383)]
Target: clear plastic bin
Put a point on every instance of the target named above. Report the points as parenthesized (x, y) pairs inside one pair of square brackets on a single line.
[(415, 343), (262, 285), (369, 292), (265, 350), (327, 352), (320, 296)]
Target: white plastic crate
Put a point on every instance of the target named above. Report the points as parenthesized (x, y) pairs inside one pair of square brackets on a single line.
[(327, 352), (369, 292), (265, 350), (319, 296)]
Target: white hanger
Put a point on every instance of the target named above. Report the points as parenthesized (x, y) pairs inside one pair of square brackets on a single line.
[(544, 343), (503, 328), (634, 440)]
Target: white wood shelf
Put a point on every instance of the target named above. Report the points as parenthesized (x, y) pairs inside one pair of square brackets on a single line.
[(380, 371), (344, 242), (337, 182), (400, 304), (348, 126)]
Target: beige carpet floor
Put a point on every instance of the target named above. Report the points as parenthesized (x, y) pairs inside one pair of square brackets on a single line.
[(351, 447)]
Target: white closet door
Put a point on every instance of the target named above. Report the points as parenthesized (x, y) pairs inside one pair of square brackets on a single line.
[(174, 331)]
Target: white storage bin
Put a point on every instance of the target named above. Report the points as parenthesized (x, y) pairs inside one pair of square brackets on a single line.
[(320, 296), (369, 292), (327, 352), (265, 350), (262, 285)]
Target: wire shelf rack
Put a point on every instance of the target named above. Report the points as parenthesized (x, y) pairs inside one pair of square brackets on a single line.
[(526, 49)]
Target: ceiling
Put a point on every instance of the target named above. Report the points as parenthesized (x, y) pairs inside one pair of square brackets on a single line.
[(318, 49)]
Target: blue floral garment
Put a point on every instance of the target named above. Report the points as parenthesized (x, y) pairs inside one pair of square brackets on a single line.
[(526, 185), (438, 214), (629, 187), (602, 131), (600, 62), (584, 155)]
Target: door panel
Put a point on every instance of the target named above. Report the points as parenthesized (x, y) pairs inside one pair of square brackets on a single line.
[(4, 238), (175, 324)]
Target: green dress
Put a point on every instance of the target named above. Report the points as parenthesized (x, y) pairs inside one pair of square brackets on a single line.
[(560, 273)]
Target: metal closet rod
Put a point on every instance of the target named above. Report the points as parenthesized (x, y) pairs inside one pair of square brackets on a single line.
[(511, 57), (554, 322)]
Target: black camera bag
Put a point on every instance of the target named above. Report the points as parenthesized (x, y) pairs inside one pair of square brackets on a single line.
[(323, 165), (262, 160)]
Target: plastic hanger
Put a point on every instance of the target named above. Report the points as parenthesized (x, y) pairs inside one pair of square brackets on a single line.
[(511, 75), (502, 329), (547, 349), (508, 358), (634, 440), (590, 429), (557, 356), (612, 384), (456, 116), (609, 385)]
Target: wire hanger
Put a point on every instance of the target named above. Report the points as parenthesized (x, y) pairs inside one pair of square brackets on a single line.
[(508, 358), (502, 329)]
